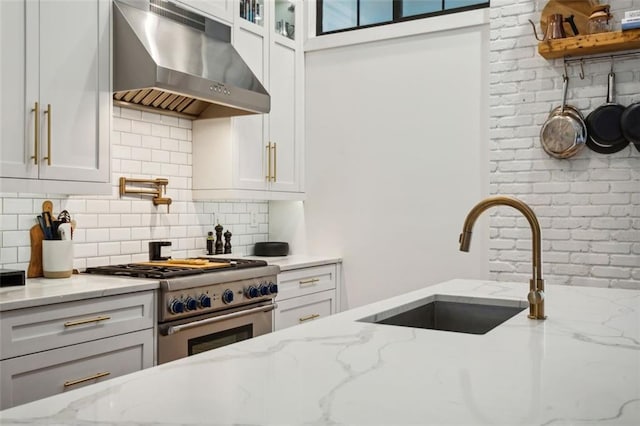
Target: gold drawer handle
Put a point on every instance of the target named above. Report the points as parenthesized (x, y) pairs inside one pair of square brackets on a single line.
[(307, 318), (86, 321), (48, 112), (86, 379), (268, 176), (275, 166), (308, 282), (36, 132)]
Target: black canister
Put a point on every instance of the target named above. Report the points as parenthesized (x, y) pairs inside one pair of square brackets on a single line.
[(159, 250)]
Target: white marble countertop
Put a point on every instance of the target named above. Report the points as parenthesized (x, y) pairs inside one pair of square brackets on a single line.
[(580, 366), (294, 261), (45, 291)]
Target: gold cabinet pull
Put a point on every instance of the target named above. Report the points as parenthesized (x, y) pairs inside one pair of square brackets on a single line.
[(48, 157), (308, 317), (85, 379), (36, 131), (268, 176), (275, 159), (308, 282), (86, 320)]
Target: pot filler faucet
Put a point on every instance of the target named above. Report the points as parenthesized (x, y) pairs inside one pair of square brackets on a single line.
[(536, 284)]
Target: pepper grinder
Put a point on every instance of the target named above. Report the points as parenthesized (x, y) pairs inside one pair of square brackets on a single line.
[(227, 242), (219, 245), (210, 240)]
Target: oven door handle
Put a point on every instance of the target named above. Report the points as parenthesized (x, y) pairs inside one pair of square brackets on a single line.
[(176, 328)]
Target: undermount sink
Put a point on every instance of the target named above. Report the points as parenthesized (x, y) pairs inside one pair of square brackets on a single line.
[(459, 314)]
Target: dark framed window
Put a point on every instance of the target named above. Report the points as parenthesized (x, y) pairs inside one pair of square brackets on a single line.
[(334, 16)]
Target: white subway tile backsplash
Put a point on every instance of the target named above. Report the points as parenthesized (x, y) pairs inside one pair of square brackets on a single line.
[(121, 125), (109, 220), (9, 254), (160, 130), (96, 235), (141, 128), (178, 133), (130, 113), (171, 145), (107, 249), (17, 205), (15, 238), (9, 222)]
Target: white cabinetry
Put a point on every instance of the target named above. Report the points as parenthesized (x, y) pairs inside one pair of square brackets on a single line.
[(259, 156), (305, 294), (55, 106), (51, 349), (221, 9)]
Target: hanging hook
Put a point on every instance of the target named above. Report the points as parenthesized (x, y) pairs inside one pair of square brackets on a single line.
[(611, 64), (581, 69), (566, 73)]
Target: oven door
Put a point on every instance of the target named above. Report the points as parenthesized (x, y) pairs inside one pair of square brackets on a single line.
[(190, 336)]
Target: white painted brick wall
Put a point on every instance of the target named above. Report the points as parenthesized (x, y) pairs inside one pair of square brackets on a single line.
[(117, 230), (588, 205)]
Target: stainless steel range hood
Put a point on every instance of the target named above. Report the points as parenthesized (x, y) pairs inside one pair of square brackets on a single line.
[(172, 61)]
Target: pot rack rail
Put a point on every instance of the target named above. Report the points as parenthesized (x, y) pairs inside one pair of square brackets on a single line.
[(594, 59)]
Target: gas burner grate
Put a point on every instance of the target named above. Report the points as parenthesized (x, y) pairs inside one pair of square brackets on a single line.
[(162, 272)]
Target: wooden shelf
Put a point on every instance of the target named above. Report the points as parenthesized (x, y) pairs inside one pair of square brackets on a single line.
[(591, 44)]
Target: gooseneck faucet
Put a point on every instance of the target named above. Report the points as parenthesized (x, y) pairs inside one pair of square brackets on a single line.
[(536, 284)]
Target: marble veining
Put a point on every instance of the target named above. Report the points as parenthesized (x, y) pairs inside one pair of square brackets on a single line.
[(581, 366)]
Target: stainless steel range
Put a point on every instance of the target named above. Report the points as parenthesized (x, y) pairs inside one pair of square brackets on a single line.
[(206, 304)]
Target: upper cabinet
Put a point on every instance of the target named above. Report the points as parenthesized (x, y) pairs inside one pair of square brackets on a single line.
[(55, 93), (259, 156), (221, 9)]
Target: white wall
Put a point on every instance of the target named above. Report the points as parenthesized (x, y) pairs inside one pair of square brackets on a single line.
[(588, 205), (396, 154)]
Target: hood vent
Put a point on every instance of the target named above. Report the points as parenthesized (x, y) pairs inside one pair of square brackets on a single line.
[(172, 61)]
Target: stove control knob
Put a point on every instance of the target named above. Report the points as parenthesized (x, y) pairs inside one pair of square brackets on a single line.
[(227, 296), (205, 301), (264, 289), (273, 288), (176, 306), (252, 292), (190, 304)]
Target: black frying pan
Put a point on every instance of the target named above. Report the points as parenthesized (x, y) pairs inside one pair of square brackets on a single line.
[(630, 122), (603, 125)]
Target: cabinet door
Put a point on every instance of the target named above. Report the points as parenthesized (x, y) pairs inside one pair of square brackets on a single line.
[(74, 89), (285, 87), (43, 374), (249, 132), (23, 331), (222, 9), (303, 281), (18, 88), (300, 310)]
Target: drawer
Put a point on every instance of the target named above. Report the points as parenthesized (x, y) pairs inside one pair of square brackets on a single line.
[(300, 282), (30, 330), (300, 310), (30, 377)]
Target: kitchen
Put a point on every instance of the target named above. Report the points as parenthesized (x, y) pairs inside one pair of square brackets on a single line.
[(587, 205)]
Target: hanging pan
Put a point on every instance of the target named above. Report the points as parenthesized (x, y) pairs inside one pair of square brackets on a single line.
[(630, 122), (603, 124), (564, 133)]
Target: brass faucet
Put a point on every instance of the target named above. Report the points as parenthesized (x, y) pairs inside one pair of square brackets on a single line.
[(536, 284)]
